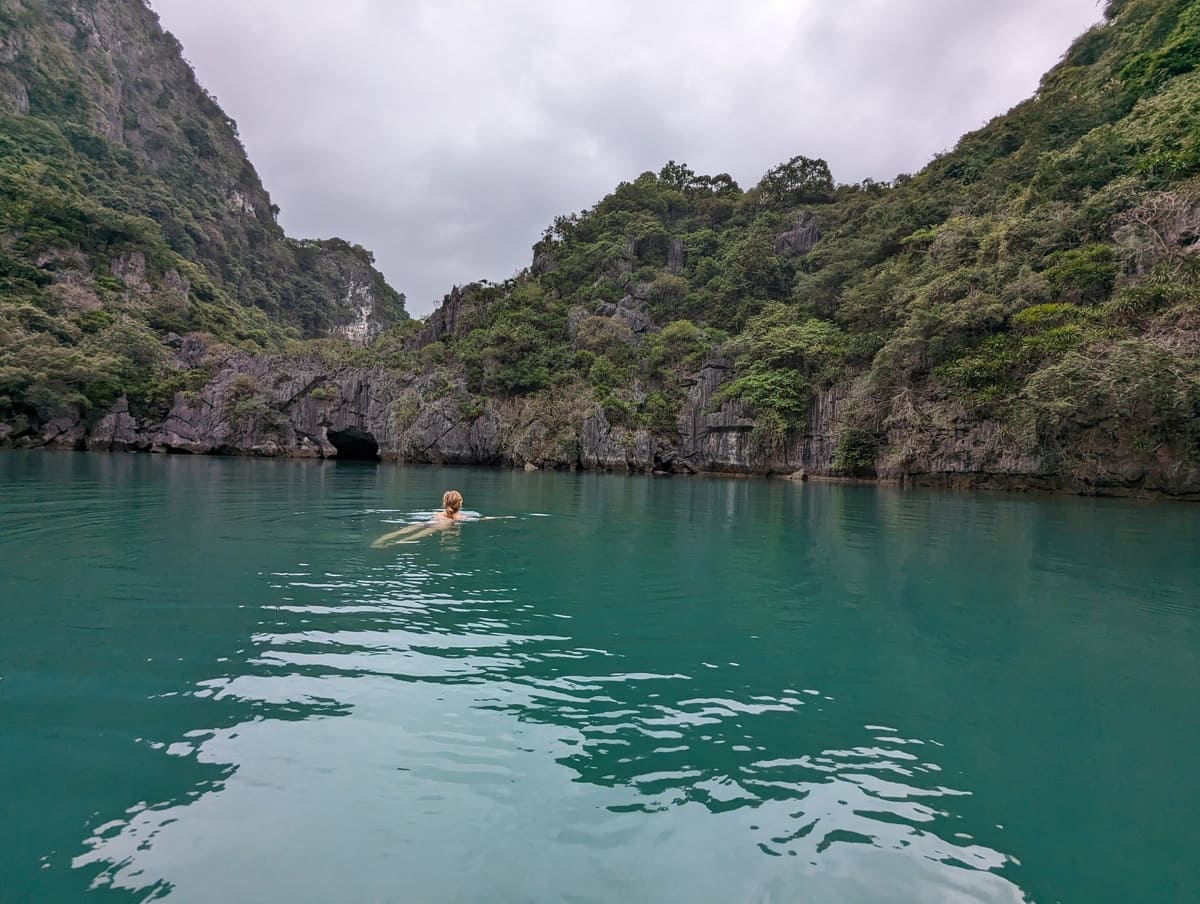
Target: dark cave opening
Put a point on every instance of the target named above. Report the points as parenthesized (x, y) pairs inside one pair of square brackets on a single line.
[(353, 444)]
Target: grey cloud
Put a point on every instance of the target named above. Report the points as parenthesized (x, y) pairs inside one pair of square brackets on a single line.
[(446, 134)]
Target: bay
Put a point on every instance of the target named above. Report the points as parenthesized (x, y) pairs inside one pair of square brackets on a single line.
[(213, 688)]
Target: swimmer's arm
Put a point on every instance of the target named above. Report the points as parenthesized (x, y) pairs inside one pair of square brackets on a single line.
[(425, 531), (396, 534)]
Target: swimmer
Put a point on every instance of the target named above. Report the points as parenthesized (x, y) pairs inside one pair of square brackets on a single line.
[(452, 502), (451, 513)]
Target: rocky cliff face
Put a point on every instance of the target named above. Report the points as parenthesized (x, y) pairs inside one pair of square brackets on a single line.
[(148, 140), (278, 406), (301, 407)]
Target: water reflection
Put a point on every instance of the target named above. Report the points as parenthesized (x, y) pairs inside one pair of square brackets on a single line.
[(664, 690), (425, 690)]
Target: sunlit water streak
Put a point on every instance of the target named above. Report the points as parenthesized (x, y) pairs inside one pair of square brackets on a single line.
[(658, 691)]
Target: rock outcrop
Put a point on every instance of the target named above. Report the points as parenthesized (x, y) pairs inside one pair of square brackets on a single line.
[(279, 406), (300, 407), (675, 256), (801, 238), (445, 319)]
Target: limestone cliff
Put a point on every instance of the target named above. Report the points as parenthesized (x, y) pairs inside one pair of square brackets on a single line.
[(283, 406), (104, 119)]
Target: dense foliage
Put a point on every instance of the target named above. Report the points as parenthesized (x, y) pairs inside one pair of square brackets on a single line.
[(128, 211), (1043, 274)]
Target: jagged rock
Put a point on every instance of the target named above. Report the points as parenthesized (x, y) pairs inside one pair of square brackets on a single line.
[(724, 438), (443, 434), (675, 255), (176, 284), (117, 431), (542, 263), (576, 315), (629, 312), (604, 447), (67, 430), (75, 298), (130, 268), (801, 238), (442, 322), (357, 408)]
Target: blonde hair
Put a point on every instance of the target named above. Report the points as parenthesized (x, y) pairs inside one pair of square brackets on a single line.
[(452, 501)]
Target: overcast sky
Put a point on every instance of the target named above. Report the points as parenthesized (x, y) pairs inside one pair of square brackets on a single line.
[(444, 135)]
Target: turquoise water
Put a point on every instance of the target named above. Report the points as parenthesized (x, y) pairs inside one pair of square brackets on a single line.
[(213, 689)]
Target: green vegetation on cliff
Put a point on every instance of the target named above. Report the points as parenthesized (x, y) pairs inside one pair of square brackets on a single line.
[(1034, 290), (1043, 275), (128, 210)]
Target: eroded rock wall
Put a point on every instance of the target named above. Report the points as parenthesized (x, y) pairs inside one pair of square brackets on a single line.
[(297, 407), (284, 406)]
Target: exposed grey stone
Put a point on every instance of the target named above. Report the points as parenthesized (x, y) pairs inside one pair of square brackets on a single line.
[(117, 431), (801, 238), (442, 321), (636, 319), (724, 439), (67, 430), (675, 255), (130, 268), (304, 402), (629, 311), (542, 263)]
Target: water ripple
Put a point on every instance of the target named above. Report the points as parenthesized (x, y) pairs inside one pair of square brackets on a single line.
[(656, 705), (645, 741)]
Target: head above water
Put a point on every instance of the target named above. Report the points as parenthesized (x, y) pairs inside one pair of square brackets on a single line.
[(452, 501)]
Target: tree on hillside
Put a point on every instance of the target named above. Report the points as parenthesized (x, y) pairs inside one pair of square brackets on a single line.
[(802, 180)]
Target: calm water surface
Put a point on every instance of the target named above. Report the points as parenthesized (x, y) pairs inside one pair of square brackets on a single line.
[(213, 689)]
